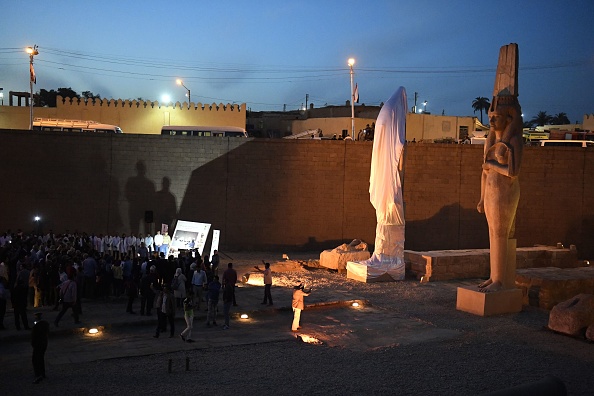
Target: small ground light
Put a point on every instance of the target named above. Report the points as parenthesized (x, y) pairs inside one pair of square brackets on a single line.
[(244, 316), (355, 304), (37, 218), (93, 331)]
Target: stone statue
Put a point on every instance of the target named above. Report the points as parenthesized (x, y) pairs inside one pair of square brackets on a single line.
[(500, 187)]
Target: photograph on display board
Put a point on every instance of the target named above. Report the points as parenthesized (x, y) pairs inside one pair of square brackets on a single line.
[(189, 235)]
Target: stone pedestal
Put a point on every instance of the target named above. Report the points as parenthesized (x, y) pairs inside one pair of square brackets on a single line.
[(470, 300)]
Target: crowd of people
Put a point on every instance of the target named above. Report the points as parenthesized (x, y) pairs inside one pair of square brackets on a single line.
[(60, 270)]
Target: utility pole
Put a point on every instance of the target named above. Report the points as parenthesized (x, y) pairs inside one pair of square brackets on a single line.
[(415, 106)]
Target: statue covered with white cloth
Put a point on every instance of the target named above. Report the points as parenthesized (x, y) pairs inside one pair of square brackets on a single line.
[(385, 193)]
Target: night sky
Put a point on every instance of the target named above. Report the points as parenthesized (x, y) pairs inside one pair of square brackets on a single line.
[(269, 54)]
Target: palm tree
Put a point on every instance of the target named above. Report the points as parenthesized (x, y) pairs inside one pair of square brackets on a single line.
[(560, 119), (479, 104), (541, 119)]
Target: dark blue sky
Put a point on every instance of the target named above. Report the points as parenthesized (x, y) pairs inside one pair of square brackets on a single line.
[(272, 53)]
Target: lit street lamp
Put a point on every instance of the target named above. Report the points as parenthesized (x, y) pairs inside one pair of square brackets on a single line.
[(351, 62), (180, 82), (2, 96), (32, 51)]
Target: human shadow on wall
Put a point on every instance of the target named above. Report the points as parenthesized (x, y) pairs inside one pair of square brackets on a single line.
[(140, 193), (165, 205), (453, 227)]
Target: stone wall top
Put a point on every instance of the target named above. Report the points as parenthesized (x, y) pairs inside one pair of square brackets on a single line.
[(127, 103)]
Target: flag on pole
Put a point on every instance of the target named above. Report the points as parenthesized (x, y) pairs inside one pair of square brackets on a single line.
[(32, 71), (356, 94)]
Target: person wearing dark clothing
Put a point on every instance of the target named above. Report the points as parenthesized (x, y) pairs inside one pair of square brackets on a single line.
[(131, 292), (19, 299), (39, 337), (230, 278), (267, 285), (4, 296), (214, 288), (165, 305), (69, 296), (214, 262), (147, 292), (227, 301)]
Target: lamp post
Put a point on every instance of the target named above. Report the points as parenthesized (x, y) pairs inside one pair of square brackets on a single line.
[(180, 82), (2, 96), (32, 51), (425, 107), (351, 62)]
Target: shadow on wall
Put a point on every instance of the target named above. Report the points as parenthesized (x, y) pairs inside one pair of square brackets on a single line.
[(140, 193), (142, 196), (582, 235), (267, 195), (453, 227)]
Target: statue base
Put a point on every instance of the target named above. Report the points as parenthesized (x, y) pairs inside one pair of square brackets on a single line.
[(470, 300)]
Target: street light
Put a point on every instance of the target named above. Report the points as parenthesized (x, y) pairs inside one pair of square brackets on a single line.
[(32, 51), (180, 82), (425, 107), (351, 62), (2, 96)]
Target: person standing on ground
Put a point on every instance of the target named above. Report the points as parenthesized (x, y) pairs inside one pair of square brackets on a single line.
[(214, 288), (166, 242), (166, 311), (39, 337), (267, 284), (68, 294), (19, 298), (147, 293), (186, 335), (158, 241), (131, 292), (227, 301), (199, 283), (214, 262), (298, 306), (230, 277), (178, 285), (4, 297)]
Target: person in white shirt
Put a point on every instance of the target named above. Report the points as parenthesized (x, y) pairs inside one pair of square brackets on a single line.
[(115, 246), (107, 244), (158, 241), (148, 242)]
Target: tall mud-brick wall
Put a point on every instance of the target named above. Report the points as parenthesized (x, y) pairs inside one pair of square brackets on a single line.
[(280, 194)]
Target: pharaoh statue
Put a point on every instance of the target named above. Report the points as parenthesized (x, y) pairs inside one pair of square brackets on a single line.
[(500, 187)]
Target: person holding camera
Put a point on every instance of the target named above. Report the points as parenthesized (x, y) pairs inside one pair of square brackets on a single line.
[(298, 305)]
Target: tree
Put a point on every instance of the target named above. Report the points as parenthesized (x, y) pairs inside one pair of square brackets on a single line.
[(541, 119), (90, 95), (560, 119), (479, 104), (48, 98)]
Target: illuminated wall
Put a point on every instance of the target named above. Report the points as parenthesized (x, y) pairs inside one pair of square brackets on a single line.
[(281, 194), (131, 115)]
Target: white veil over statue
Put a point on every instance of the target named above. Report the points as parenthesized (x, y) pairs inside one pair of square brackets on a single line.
[(385, 192)]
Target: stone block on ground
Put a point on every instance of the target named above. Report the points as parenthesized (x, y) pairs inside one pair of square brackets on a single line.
[(338, 257), (573, 316)]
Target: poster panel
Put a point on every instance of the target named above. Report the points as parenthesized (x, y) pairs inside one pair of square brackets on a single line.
[(189, 235)]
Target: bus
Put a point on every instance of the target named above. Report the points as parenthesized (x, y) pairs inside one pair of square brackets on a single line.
[(51, 124), (204, 131)]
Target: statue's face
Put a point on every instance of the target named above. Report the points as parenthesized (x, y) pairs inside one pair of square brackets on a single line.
[(498, 121)]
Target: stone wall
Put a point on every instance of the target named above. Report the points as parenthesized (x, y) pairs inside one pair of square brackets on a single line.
[(133, 116), (281, 194)]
